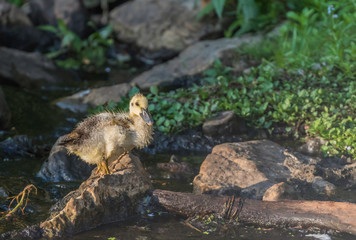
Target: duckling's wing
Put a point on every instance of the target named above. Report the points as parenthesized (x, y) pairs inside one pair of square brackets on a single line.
[(86, 129)]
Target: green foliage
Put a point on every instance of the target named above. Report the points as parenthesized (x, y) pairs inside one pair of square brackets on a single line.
[(88, 54), (17, 3), (251, 15)]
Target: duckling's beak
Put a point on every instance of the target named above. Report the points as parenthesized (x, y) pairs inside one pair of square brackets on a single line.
[(146, 116)]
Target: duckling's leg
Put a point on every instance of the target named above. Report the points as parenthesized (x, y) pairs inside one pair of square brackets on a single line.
[(105, 170)]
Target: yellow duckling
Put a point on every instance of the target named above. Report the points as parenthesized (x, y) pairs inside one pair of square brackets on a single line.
[(105, 137)]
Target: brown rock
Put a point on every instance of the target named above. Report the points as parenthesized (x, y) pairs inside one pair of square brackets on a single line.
[(253, 166), (5, 114), (193, 60), (159, 24), (225, 123), (81, 101), (100, 200), (280, 191)]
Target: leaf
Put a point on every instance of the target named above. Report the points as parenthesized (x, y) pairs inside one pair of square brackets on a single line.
[(133, 91), (56, 53), (160, 120), (219, 7), (48, 28), (154, 90), (206, 10)]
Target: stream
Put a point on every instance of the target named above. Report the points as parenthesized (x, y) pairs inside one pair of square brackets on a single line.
[(37, 123)]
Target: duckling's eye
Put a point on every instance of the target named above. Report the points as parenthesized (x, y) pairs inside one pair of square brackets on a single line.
[(137, 104)]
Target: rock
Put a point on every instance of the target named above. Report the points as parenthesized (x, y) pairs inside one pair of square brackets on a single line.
[(225, 123), (18, 145), (72, 12), (100, 200), (176, 167), (63, 167), (26, 38), (280, 191), (253, 166), (29, 69), (193, 60), (312, 146), (11, 16), (323, 187), (81, 101), (3, 193), (160, 24), (5, 114), (41, 12)]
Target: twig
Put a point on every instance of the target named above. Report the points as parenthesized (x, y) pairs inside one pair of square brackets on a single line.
[(21, 201)]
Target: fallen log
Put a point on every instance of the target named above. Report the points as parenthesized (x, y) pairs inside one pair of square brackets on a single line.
[(339, 216)]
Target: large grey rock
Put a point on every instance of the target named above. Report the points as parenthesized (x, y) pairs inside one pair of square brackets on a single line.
[(11, 16), (100, 199), (63, 167), (17, 30), (160, 24), (81, 101), (193, 60), (29, 69), (5, 114)]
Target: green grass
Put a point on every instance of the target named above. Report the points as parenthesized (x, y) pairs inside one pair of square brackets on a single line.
[(306, 76)]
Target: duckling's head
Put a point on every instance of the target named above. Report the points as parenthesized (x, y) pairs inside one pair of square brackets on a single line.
[(139, 107)]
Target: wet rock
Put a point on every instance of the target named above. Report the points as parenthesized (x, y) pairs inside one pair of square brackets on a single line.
[(19, 145), (252, 166), (72, 12), (193, 60), (225, 123), (100, 200), (11, 16), (312, 146), (63, 167), (25, 38), (280, 191), (81, 101), (5, 114), (3, 193), (323, 187), (189, 141), (159, 24), (29, 69)]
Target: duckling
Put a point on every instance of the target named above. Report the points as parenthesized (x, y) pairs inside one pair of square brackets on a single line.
[(105, 137)]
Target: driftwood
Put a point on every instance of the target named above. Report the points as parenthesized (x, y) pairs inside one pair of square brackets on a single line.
[(339, 216)]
